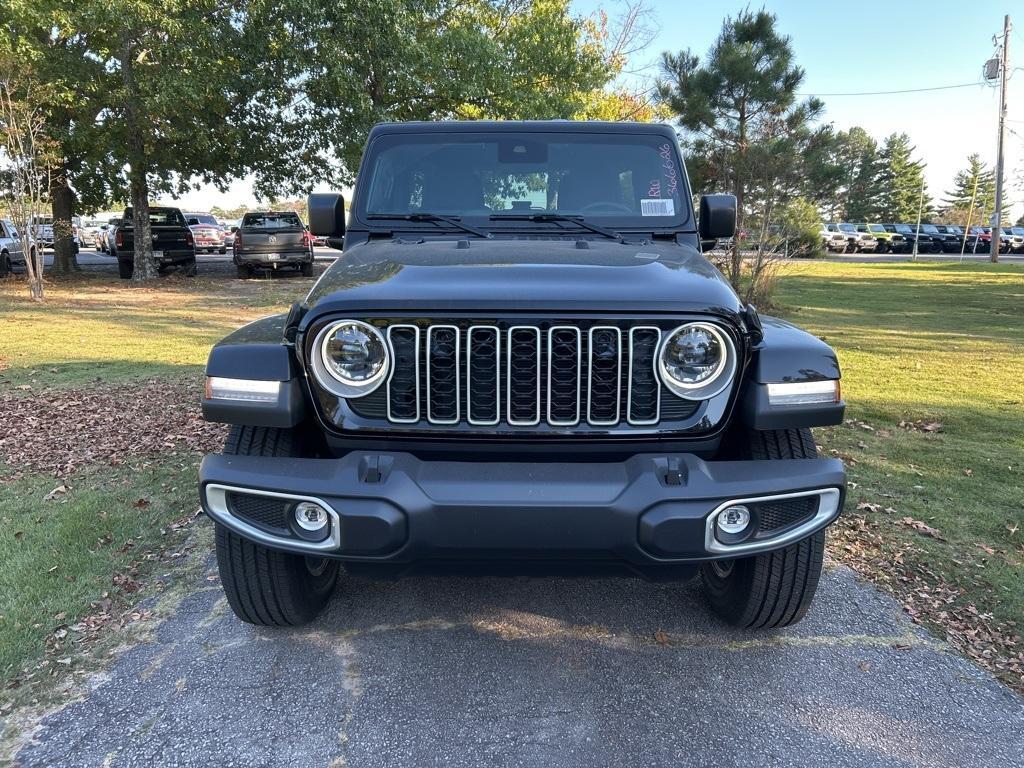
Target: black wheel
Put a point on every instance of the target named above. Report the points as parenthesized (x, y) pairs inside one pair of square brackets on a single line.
[(773, 589), (244, 273), (125, 269), (264, 586), (306, 268), (222, 250), (935, 248), (882, 248), (5, 264), (188, 268)]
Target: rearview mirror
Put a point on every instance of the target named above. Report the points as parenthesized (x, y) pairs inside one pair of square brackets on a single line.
[(717, 217), (327, 215)]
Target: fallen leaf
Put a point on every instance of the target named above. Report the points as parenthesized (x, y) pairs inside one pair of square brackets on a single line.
[(661, 637)]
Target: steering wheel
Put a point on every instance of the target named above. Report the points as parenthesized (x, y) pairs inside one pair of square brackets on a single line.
[(606, 206)]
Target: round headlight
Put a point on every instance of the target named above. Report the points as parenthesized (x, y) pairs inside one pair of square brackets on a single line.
[(697, 361), (350, 358)]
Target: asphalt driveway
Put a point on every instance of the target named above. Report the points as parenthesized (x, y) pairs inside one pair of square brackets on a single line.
[(538, 672)]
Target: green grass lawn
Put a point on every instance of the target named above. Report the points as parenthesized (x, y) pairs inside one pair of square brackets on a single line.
[(919, 344), (931, 344)]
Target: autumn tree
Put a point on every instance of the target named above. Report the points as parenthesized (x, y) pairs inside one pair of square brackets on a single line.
[(739, 110)]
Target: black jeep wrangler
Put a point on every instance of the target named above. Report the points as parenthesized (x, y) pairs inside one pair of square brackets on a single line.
[(522, 363)]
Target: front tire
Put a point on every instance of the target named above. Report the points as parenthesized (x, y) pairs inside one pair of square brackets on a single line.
[(263, 586), (189, 268), (772, 589), (125, 269)]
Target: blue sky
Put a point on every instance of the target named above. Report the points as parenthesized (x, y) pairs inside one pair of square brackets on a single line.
[(879, 46), (867, 46)]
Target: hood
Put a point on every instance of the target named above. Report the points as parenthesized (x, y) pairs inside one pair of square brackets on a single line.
[(523, 275)]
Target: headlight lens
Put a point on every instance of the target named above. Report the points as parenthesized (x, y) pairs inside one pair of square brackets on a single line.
[(353, 358), (697, 361)]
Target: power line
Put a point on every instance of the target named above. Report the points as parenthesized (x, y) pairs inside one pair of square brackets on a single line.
[(886, 93)]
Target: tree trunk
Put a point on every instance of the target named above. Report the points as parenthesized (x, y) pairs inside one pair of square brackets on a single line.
[(736, 267), (63, 208), (145, 268)]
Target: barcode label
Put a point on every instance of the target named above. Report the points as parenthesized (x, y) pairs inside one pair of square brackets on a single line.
[(657, 208)]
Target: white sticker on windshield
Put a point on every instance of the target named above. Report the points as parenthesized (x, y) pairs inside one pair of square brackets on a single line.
[(657, 207)]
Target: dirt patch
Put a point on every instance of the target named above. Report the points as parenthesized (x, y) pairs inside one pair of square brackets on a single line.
[(56, 431)]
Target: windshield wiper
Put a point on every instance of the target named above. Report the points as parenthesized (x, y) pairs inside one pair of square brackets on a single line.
[(453, 220), (556, 217)]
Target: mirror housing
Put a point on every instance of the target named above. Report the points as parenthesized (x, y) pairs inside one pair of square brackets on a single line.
[(717, 217), (327, 214)]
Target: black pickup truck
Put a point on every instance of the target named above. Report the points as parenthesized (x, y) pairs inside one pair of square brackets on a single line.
[(523, 363), (173, 243), (272, 240)]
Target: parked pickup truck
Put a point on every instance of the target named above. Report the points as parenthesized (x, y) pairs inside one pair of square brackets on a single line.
[(272, 240), (523, 363), (173, 244)]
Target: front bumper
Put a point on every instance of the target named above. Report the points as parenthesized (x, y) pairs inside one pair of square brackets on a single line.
[(652, 509)]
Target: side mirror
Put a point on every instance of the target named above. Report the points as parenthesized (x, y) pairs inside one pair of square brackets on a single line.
[(327, 215), (717, 217)]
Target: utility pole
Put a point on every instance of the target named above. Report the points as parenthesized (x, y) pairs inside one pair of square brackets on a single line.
[(1004, 71)]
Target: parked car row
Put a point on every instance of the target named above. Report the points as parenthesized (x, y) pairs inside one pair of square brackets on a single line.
[(930, 238), (263, 240)]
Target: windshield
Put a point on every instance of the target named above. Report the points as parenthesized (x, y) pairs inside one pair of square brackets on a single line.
[(618, 180), (1017, 230), (202, 218), (930, 229), (847, 228), (876, 228), (285, 220)]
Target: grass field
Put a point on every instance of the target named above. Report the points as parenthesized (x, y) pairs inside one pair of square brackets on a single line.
[(933, 363), (938, 349)]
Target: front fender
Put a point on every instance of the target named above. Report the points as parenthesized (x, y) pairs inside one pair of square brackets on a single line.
[(257, 351), (788, 354)]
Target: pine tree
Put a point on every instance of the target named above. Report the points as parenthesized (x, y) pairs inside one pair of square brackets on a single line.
[(958, 200), (744, 126), (860, 156), (900, 179)]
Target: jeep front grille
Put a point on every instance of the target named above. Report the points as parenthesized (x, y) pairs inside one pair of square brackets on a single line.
[(541, 376)]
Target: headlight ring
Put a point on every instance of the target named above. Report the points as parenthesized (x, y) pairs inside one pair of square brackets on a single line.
[(350, 358), (702, 366)]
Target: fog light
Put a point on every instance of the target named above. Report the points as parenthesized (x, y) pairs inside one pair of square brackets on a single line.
[(311, 517), (733, 520)]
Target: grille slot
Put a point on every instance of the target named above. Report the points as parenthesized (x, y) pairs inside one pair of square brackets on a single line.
[(524, 375), (443, 388), (604, 384), (403, 390), (644, 399), (483, 375), (565, 360)]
